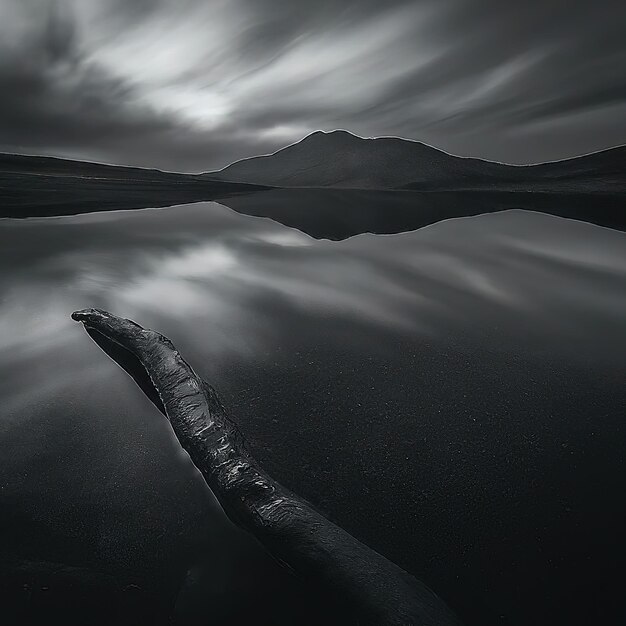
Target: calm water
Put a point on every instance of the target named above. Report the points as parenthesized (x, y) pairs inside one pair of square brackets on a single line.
[(453, 396)]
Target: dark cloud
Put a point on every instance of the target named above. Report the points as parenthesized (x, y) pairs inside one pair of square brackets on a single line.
[(193, 84)]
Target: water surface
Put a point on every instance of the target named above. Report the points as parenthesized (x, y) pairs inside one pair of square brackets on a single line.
[(452, 396)]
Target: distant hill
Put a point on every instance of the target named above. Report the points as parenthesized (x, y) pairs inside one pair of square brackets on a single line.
[(55, 166), (589, 187), (342, 160), (33, 186)]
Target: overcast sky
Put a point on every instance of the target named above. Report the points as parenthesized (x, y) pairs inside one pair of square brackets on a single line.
[(195, 84)]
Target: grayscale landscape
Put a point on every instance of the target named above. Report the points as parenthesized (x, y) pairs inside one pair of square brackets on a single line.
[(424, 352)]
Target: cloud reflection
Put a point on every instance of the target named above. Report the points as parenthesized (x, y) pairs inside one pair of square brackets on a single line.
[(248, 281)]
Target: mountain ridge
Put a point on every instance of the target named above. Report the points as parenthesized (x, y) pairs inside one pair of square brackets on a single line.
[(43, 186), (344, 160)]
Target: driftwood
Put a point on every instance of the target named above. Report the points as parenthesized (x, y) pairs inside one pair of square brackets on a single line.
[(373, 588)]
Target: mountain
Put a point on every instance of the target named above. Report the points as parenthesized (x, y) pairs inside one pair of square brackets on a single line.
[(589, 187), (32, 186), (343, 160)]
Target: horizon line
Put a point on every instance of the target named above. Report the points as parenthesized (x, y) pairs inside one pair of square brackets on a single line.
[(314, 132)]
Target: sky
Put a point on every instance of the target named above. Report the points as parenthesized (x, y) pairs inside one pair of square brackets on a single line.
[(192, 85)]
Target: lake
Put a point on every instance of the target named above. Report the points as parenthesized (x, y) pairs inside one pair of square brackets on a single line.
[(452, 396)]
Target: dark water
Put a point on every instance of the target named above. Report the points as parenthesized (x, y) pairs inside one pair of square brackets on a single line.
[(453, 396)]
